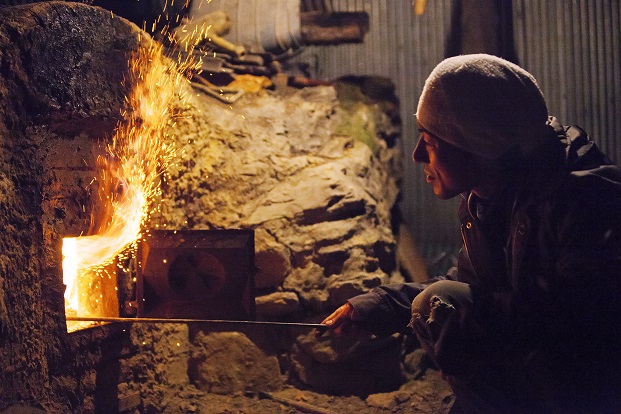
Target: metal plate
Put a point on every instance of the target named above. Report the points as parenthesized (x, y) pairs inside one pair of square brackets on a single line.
[(206, 274)]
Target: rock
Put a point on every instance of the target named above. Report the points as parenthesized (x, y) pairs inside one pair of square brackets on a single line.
[(160, 339), (384, 400), (309, 283), (229, 362), (4, 313), (340, 290), (358, 261), (329, 194), (277, 304), (23, 409), (271, 259), (416, 362), (387, 400), (347, 366), (307, 278)]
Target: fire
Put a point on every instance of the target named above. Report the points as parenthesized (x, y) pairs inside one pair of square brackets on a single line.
[(135, 161)]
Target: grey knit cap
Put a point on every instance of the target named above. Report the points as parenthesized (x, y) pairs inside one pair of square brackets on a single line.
[(484, 105)]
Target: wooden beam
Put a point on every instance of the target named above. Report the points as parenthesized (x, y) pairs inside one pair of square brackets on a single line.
[(333, 28)]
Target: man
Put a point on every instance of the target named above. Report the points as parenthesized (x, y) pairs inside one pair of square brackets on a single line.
[(530, 319)]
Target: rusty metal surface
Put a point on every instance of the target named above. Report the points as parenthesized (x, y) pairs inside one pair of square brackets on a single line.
[(204, 274)]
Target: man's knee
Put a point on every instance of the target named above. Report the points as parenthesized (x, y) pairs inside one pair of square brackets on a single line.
[(441, 296)]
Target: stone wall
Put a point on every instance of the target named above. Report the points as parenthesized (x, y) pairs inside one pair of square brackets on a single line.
[(60, 92)]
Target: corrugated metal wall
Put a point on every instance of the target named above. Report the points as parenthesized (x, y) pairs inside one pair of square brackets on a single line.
[(571, 46)]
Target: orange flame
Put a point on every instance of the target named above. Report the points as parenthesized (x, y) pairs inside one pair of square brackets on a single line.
[(131, 173), (136, 160)]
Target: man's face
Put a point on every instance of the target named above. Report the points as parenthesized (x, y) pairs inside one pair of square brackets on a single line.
[(447, 168)]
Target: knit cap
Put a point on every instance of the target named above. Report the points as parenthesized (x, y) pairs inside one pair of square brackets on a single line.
[(484, 105)]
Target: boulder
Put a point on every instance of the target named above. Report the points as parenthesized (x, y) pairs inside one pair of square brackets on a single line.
[(278, 304), (229, 362), (348, 366), (271, 259)]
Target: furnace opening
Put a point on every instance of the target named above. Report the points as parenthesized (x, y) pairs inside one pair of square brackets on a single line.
[(128, 181), (90, 291)]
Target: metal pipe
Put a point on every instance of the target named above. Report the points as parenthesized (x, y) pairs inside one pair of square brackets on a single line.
[(318, 326)]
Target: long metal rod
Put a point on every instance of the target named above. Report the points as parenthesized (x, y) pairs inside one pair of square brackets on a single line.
[(205, 321)]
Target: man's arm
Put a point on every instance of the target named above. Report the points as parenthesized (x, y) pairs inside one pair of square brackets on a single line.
[(382, 311)]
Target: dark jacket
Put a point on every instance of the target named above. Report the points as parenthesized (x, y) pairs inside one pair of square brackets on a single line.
[(543, 260)]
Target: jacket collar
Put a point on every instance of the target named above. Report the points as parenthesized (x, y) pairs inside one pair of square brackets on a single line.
[(530, 178), (568, 151)]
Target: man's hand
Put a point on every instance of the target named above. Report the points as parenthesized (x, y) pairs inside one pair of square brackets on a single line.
[(344, 321)]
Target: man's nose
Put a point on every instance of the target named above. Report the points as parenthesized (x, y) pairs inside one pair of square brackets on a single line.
[(420, 152)]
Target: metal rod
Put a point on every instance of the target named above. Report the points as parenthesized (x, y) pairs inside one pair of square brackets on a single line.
[(205, 321)]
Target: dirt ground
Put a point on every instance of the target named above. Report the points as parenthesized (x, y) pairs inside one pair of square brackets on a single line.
[(428, 394)]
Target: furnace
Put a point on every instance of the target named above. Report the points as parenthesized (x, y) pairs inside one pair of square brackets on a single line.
[(173, 274), (281, 174)]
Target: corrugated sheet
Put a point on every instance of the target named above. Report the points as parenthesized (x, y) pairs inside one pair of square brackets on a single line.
[(573, 49), (571, 46)]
